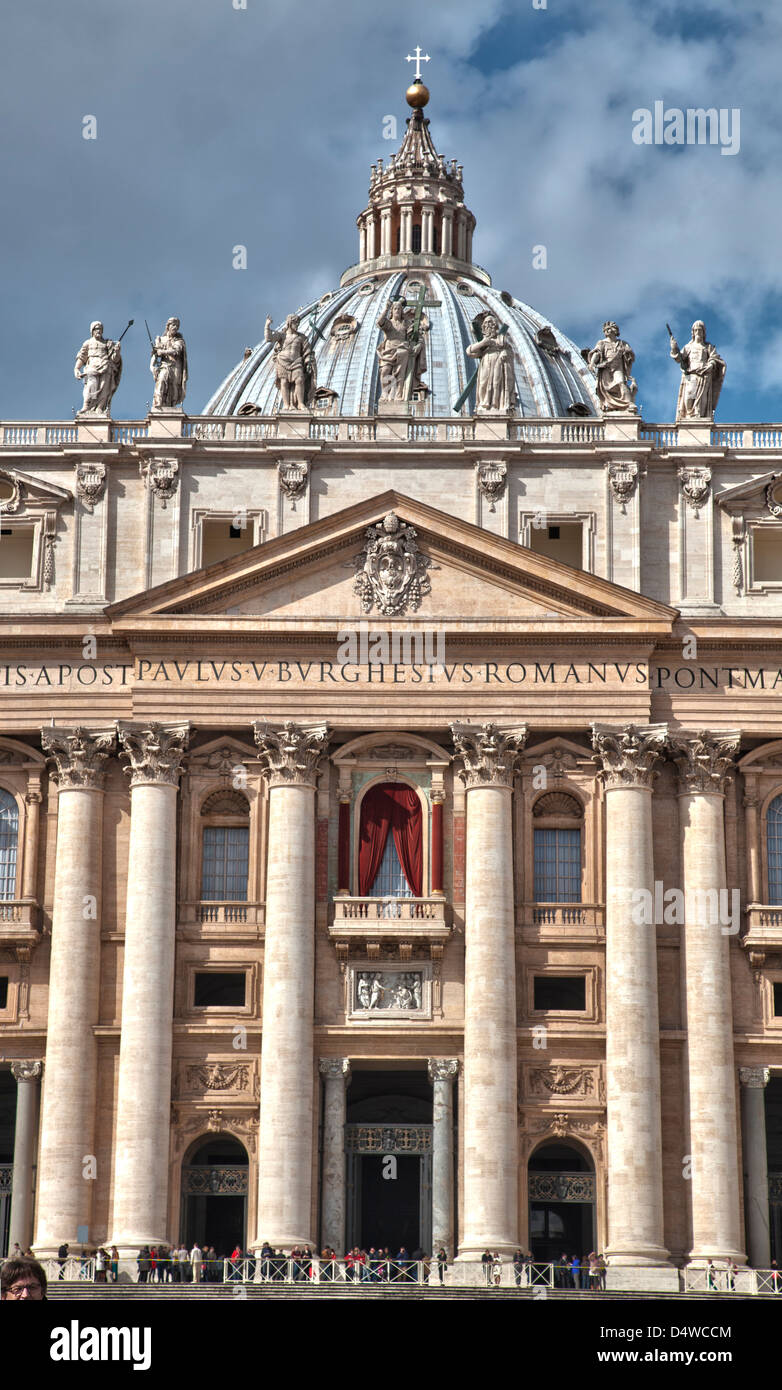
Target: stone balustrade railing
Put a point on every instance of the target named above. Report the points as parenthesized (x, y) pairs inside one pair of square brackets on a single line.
[(564, 914), (347, 909), (764, 926), (407, 425)]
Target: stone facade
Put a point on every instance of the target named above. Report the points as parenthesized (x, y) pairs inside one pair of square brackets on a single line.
[(155, 685)]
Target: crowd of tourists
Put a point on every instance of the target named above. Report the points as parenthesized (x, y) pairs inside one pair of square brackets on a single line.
[(580, 1272)]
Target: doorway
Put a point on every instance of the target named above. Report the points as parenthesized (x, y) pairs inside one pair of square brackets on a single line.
[(388, 1151), (214, 1196), (561, 1202)]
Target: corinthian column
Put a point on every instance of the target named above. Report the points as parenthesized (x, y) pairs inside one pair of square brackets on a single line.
[(154, 755), (754, 1081), (68, 1125), (290, 757), (704, 761), (336, 1074), (27, 1076), (489, 1090), (442, 1071), (627, 759)]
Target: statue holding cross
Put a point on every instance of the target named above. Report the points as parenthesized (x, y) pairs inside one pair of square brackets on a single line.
[(402, 353)]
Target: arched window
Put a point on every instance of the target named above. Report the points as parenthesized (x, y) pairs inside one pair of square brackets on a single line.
[(557, 848), (390, 864), (225, 847), (9, 839), (774, 844)]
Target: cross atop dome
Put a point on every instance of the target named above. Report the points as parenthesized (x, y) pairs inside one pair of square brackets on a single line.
[(418, 58), (416, 214)]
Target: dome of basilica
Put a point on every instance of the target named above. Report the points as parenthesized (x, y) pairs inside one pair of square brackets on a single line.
[(415, 245)]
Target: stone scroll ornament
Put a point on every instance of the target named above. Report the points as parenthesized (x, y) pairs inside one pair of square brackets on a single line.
[(489, 754), (390, 570), (290, 753)]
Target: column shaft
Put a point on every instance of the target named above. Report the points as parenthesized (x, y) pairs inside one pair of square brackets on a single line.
[(66, 1170), (753, 1132), (140, 1212), (21, 1224), (634, 1132), (144, 1092), (442, 1071), (490, 1086), (31, 840), (285, 1146), (336, 1073)]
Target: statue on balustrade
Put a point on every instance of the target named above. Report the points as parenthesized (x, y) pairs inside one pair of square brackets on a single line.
[(402, 353), (611, 360), (496, 386), (294, 360), (168, 365), (703, 372), (99, 366)]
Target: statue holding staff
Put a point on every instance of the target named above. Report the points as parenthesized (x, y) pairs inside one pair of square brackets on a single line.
[(99, 366), (496, 386), (168, 365)]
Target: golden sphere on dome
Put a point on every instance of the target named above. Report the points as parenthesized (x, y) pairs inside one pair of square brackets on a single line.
[(417, 95)]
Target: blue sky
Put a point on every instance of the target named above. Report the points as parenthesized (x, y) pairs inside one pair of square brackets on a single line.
[(219, 127)]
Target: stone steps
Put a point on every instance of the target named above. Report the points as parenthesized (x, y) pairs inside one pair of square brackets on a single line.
[(222, 1293)]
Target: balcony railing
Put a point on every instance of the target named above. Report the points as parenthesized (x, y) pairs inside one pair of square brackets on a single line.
[(564, 914), (222, 914), (764, 926), (19, 918), (389, 909)]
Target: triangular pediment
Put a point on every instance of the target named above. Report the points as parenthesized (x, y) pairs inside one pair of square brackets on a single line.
[(446, 570)]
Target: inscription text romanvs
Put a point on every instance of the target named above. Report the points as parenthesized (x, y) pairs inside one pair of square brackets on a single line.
[(21, 677)]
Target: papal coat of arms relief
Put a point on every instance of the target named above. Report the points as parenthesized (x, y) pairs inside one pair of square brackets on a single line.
[(390, 570)]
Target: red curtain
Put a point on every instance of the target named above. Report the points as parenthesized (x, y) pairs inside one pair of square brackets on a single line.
[(391, 806)]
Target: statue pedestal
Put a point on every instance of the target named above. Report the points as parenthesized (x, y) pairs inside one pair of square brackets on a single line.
[(493, 426), (94, 428), (166, 422), (696, 432), (619, 425)]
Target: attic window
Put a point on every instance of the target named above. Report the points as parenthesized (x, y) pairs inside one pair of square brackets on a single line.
[(563, 541), (16, 552), (221, 539), (767, 554)]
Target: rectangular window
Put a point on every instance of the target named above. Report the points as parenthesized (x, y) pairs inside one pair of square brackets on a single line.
[(767, 554), (563, 541), (215, 989), (560, 992), (557, 862), (3, 991), (778, 998), (16, 552), (220, 540), (226, 850)]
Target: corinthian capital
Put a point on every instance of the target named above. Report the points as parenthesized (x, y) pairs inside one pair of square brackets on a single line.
[(336, 1067), (704, 759), (78, 756), (26, 1071), (490, 754), (290, 753), (627, 756), (442, 1068), (757, 1078), (153, 753)]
